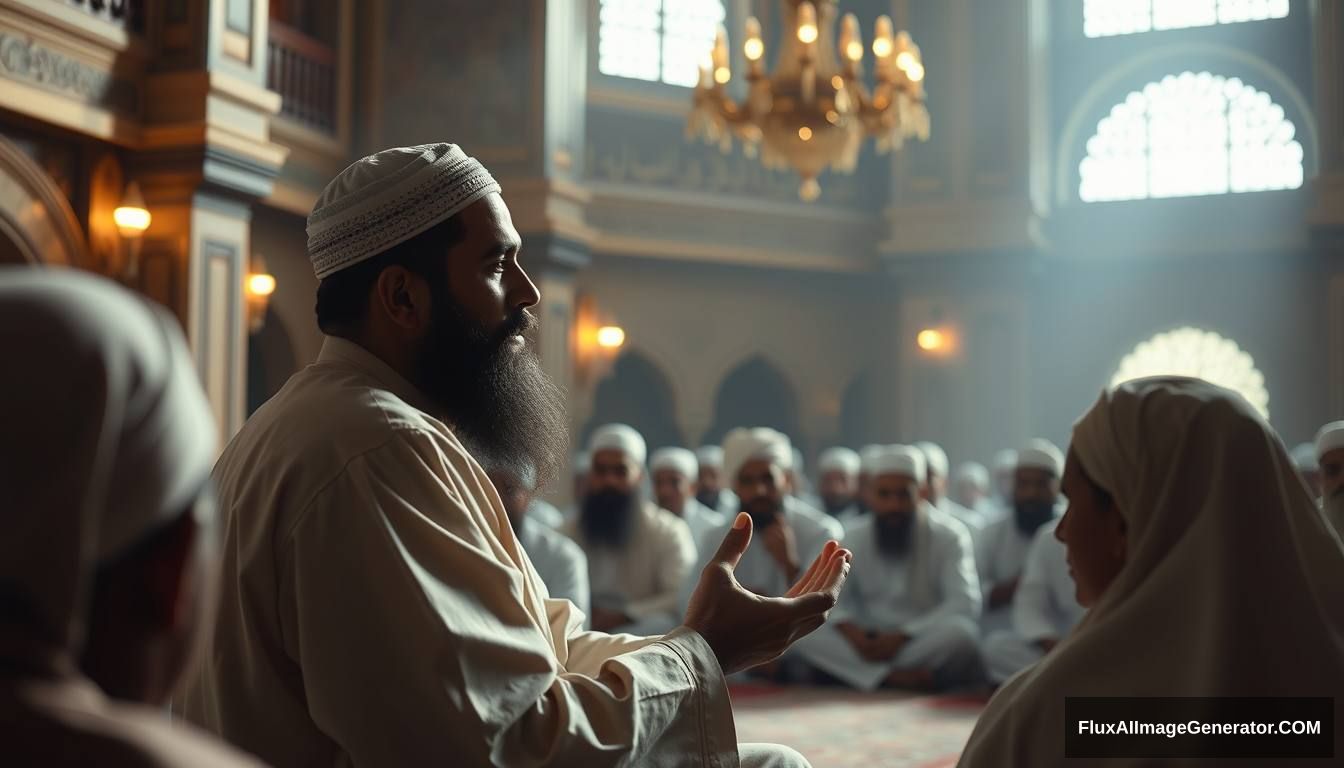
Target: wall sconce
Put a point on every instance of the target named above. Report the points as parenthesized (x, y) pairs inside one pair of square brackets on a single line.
[(260, 285), (132, 219), (610, 337), (938, 341), (597, 341)]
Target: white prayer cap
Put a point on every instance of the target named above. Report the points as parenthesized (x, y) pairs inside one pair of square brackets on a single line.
[(619, 437), (1041, 454), (905, 460), (1329, 438), (387, 198), (974, 473), (742, 445), (678, 460), (583, 461), (709, 456), (867, 455), (839, 460), (1304, 457), (935, 456), (1005, 460)]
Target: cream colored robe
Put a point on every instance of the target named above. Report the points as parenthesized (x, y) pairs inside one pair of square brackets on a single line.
[(378, 611)]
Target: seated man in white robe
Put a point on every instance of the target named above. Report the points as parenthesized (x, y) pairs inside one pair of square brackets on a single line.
[(1045, 609), (639, 555), (1330, 458), (839, 483), (970, 489), (674, 473), (377, 608), (1002, 546), (908, 619), (935, 488), (560, 562), (710, 487)]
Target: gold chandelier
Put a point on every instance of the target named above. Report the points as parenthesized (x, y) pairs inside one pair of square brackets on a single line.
[(813, 112)]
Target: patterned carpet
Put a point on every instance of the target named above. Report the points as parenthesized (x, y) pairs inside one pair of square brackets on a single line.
[(837, 728)]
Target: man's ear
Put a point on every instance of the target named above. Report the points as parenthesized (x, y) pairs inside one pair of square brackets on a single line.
[(402, 296)]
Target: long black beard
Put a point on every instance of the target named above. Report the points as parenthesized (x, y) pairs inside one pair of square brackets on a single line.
[(708, 498), (834, 507), (894, 534), (764, 512), (607, 518), (500, 402), (1031, 515)]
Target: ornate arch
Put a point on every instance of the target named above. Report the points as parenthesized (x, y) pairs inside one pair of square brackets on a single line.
[(35, 216)]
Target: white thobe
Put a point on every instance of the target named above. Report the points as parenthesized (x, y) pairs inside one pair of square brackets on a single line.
[(850, 515), (545, 512), (560, 562), (1045, 606), (1001, 551), (701, 519), (377, 609), (728, 502), (972, 519), (644, 578), (878, 596)]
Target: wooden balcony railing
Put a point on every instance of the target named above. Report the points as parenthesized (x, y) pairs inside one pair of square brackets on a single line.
[(303, 71)]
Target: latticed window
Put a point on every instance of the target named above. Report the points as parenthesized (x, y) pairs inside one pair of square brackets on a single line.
[(656, 40), (1104, 18), (1199, 353)]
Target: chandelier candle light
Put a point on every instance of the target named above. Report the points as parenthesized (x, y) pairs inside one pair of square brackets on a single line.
[(813, 112)]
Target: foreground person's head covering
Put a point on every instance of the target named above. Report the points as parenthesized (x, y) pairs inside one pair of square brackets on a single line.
[(1232, 585), (106, 436), (389, 197)]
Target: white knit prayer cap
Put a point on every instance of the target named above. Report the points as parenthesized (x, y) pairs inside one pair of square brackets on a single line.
[(904, 460), (974, 473), (678, 460), (619, 437), (709, 456), (1041, 454), (389, 197), (1329, 438), (867, 454), (1005, 461), (743, 445), (839, 460), (935, 457)]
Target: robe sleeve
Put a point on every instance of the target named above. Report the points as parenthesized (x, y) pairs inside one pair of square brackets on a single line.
[(1032, 614), (958, 583), (416, 647), (676, 556)]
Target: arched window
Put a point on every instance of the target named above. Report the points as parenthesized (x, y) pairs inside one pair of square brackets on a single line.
[(1191, 135), (1105, 18), (1195, 352), (656, 40)]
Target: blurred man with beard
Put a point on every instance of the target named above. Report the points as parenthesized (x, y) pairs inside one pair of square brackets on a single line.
[(710, 489), (1002, 546), (839, 484), (908, 619), (560, 562), (639, 555), (377, 608), (674, 476), (1330, 457)]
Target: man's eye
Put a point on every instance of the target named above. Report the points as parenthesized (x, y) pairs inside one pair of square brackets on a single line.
[(498, 266)]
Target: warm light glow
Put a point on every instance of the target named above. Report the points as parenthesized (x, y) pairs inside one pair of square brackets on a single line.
[(837, 82), (915, 72), (754, 49), (131, 220), (807, 23), (807, 33), (260, 285), (854, 50), (905, 59), (610, 336), (881, 47), (832, 116), (722, 75), (805, 133), (931, 340)]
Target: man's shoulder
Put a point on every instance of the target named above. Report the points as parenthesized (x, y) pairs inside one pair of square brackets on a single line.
[(665, 522), (809, 520), (554, 542)]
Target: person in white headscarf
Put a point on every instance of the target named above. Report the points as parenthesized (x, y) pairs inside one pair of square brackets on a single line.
[(639, 555), (1330, 460), (908, 618), (839, 483), (935, 488), (378, 609), (711, 490), (1044, 610), (1207, 570), (559, 561), (675, 473), (1001, 548), (108, 555), (970, 488), (1308, 466)]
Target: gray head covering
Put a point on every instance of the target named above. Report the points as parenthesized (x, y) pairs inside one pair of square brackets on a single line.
[(107, 435)]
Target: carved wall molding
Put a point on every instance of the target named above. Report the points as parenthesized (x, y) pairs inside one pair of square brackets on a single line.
[(24, 58)]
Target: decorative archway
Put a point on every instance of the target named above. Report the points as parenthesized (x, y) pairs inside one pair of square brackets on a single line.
[(1203, 354), (755, 394), (636, 392), (37, 224)]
